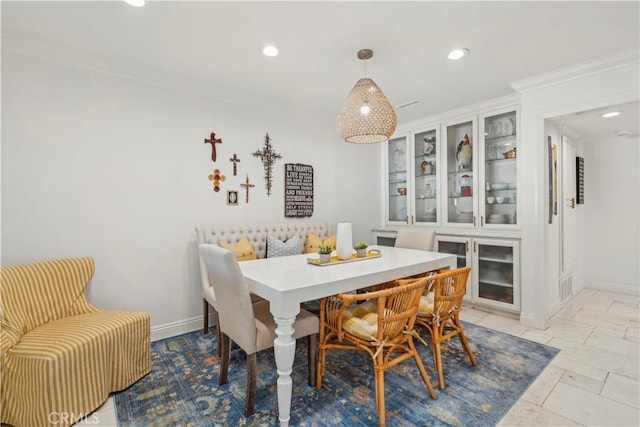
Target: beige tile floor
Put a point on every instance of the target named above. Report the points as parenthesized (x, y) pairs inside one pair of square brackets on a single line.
[(593, 381)]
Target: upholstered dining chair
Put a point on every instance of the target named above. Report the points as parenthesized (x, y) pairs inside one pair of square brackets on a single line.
[(408, 238), (249, 324), (413, 238), (439, 313), (379, 323)]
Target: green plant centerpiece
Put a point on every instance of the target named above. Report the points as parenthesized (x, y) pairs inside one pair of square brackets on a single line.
[(361, 249), (325, 253)]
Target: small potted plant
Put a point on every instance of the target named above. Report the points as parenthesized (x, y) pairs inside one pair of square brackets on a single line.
[(325, 253), (361, 249)]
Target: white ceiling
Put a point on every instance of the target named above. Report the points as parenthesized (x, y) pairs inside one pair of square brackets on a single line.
[(215, 47)]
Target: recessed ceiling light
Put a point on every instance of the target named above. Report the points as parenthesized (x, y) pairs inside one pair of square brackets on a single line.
[(623, 132), (458, 53), (270, 50), (136, 3), (611, 114)]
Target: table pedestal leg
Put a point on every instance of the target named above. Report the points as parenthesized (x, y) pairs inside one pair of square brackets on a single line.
[(284, 348)]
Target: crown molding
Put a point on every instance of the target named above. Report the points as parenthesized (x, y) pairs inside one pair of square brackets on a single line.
[(100, 65), (95, 64), (596, 66), (467, 110)]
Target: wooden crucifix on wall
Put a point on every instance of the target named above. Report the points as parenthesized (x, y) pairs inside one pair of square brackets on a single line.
[(213, 141), (235, 160)]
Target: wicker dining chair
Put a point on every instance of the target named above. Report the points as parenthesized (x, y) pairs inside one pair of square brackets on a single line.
[(439, 313), (379, 323)]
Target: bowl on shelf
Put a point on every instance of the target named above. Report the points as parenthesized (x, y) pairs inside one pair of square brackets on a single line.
[(402, 191), (499, 199), (490, 200), (465, 216), (496, 219)]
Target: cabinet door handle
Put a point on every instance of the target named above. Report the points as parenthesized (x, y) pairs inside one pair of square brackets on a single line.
[(481, 221), (475, 247), (474, 220)]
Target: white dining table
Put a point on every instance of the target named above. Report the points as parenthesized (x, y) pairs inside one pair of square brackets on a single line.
[(288, 281)]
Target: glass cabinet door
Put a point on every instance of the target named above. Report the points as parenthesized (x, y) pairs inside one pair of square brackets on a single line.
[(460, 173), (458, 246), (500, 184), (425, 190), (397, 180), (498, 273)]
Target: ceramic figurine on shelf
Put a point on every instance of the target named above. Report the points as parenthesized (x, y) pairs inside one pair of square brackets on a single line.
[(464, 154)]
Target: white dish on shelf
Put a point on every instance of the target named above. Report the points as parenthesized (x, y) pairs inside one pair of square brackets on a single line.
[(499, 186)]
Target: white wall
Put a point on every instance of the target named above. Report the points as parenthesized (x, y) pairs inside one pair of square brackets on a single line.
[(583, 87), (95, 164), (612, 214)]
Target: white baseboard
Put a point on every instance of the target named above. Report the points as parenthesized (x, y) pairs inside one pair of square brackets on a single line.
[(179, 327), (529, 320), (612, 287)]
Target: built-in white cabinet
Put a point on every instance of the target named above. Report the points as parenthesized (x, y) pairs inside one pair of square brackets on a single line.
[(495, 268), (459, 175), (466, 179)]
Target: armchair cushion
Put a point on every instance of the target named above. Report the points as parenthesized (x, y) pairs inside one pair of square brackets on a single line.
[(426, 305)]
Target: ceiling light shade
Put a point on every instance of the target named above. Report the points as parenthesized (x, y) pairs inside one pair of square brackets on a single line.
[(366, 116)]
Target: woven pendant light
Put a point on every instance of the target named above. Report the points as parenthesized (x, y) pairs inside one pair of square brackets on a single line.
[(366, 116)]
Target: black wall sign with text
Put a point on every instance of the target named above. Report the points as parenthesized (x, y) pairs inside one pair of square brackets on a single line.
[(298, 190)]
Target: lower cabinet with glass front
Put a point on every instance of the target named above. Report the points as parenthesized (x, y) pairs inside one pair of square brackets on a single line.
[(495, 268)]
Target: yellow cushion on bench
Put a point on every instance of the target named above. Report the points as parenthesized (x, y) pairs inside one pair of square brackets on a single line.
[(242, 249), (313, 242)]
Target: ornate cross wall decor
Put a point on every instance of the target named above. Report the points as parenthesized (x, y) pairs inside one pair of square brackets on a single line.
[(246, 187), (216, 177), (213, 141), (268, 157), (235, 160)]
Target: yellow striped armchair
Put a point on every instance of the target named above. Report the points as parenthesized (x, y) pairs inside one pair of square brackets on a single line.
[(61, 356)]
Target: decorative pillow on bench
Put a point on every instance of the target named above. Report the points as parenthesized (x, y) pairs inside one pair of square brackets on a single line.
[(276, 247), (313, 242), (242, 249)]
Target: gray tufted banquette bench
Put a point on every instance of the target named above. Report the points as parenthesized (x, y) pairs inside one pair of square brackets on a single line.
[(257, 236)]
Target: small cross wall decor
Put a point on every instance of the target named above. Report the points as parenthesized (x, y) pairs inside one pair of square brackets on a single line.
[(216, 177), (268, 157), (235, 160), (247, 185)]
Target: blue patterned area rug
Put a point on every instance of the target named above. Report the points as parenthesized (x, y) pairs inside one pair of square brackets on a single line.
[(182, 389)]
